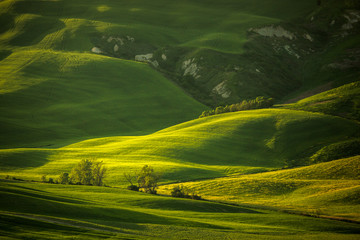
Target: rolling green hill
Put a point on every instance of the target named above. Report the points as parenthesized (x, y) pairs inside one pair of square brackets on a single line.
[(122, 82), (324, 189), (81, 95), (240, 142), (343, 101), (55, 91)]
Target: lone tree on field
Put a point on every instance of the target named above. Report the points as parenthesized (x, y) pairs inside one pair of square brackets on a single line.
[(88, 172), (148, 179)]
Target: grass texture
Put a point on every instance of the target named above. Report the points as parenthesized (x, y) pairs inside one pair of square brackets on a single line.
[(95, 213)]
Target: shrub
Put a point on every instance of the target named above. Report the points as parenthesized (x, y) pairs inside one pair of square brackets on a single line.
[(133, 188), (184, 192), (179, 191)]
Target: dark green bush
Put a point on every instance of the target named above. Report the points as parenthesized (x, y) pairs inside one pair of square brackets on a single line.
[(184, 192), (133, 188)]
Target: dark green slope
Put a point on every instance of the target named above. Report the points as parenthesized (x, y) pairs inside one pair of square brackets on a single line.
[(102, 97)]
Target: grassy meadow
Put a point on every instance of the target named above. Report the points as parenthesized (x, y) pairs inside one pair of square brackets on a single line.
[(100, 212), (70, 89)]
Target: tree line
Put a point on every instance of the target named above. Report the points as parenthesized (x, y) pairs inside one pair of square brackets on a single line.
[(92, 172), (86, 172), (257, 103)]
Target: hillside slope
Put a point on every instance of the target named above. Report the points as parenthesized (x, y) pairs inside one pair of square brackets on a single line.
[(343, 101), (324, 189), (240, 142), (56, 89), (79, 96), (85, 212)]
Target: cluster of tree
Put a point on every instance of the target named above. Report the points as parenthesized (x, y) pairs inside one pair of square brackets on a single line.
[(147, 180), (184, 192), (257, 103), (86, 172)]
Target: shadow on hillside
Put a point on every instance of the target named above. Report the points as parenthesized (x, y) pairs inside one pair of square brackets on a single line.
[(174, 204), (23, 158), (32, 193), (4, 54)]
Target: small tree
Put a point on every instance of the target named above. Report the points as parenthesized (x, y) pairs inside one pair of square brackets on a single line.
[(148, 179), (98, 171), (131, 179), (64, 178), (43, 178), (82, 172)]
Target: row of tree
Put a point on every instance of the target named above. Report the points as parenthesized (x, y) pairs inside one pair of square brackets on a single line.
[(86, 172), (92, 172), (259, 102)]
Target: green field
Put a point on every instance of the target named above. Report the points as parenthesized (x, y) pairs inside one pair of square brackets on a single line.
[(93, 212), (123, 82), (326, 189)]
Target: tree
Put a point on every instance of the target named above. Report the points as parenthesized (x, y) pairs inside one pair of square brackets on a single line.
[(64, 178), (98, 171), (88, 172), (82, 173), (43, 178), (131, 179), (148, 179)]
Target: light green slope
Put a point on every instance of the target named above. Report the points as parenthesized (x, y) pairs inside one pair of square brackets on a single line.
[(45, 211), (343, 101), (241, 142), (324, 189)]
